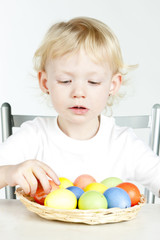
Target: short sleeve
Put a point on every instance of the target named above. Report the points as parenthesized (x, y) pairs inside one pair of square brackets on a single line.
[(143, 165), (20, 146)]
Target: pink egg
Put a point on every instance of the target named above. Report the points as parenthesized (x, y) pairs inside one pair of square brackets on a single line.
[(83, 180)]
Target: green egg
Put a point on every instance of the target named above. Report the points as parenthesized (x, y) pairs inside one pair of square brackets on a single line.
[(111, 182), (92, 200)]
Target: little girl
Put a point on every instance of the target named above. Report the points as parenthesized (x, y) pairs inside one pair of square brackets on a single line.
[(80, 67)]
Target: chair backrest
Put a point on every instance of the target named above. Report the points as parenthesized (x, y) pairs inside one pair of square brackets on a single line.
[(151, 121)]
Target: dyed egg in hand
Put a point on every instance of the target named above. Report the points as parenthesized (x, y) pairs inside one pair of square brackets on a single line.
[(76, 190), (117, 197), (61, 199), (65, 182), (83, 180), (92, 200), (41, 194), (111, 182), (96, 186), (132, 191)]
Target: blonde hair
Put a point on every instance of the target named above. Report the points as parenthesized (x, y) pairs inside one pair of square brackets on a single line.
[(96, 38)]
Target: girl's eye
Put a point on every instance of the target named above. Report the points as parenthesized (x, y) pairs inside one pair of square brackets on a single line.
[(65, 82), (94, 83)]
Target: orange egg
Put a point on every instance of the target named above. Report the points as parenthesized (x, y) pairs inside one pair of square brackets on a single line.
[(41, 194), (83, 180), (132, 191)]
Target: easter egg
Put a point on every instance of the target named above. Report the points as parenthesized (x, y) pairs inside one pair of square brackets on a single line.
[(61, 199), (132, 191), (96, 186), (76, 190), (83, 180), (65, 182), (117, 197), (111, 182), (92, 200), (41, 195)]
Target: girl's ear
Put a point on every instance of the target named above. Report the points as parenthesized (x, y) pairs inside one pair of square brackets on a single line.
[(115, 84), (42, 77)]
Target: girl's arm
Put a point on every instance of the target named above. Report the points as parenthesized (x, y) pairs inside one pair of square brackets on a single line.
[(26, 175), (3, 170)]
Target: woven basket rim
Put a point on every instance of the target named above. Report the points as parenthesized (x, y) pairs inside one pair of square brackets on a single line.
[(95, 216)]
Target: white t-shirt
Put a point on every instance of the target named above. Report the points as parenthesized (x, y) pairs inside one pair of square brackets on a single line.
[(114, 151)]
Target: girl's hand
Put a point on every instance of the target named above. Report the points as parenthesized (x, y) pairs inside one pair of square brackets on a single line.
[(28, 173)]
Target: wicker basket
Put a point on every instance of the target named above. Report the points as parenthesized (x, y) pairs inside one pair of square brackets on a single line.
[(99, 216)]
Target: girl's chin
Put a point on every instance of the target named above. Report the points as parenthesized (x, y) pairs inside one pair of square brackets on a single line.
[(78, 119)]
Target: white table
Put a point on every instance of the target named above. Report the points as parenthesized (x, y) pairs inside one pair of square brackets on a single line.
[(16, 222)]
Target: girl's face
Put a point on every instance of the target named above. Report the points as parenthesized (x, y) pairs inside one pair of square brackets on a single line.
[(78, 87)]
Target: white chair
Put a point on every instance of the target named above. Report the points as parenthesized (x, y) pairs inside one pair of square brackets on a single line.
[(151, 121)]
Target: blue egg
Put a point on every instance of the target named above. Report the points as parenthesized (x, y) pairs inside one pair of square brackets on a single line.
[(117, 197), (76, 190)]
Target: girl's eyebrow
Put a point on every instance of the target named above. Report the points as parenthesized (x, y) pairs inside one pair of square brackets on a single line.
[(66, 72), (64, 75), (91, 73)]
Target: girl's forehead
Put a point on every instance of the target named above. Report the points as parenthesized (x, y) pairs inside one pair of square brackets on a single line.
[(80, 59)]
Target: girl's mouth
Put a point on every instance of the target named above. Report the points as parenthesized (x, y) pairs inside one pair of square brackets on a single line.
[(79, 110)]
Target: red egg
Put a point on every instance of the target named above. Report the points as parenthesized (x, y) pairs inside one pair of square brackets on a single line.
[(132, 191), (83, 180), (41, 195)]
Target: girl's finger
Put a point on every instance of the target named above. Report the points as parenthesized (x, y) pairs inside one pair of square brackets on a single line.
[(32, 181), (50, 173), (40, 174), (23, 183)]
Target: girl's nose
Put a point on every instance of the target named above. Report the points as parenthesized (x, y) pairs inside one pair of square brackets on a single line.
[(79, 91)]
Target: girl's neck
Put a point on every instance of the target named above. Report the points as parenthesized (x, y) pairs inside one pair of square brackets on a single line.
[(79, 131)]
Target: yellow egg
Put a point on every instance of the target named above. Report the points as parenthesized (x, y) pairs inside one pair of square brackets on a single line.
[(65, 182), (61, 199), (96, 187)]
